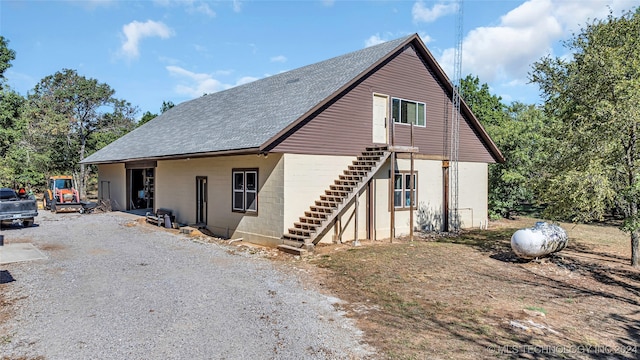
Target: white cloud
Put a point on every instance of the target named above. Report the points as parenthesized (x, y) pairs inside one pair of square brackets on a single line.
[(168, 60), (237, 6), (279, 58), (246, 80), (191, 6), (373, 40), (379, 39), (93, 4), (506, 51), (197, 84), (202, 8), (425, 37), (135, 31), (421, 13)]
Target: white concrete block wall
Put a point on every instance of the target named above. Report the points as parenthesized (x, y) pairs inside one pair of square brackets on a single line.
[(473, 183), (176, 190), (116, 175), (428, 215), (290, 183), (306, 177)]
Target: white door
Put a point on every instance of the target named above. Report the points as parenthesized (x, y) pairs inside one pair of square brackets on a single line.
[(380, 113)]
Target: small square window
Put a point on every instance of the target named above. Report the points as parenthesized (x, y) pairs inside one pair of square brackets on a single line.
[(403, 196)]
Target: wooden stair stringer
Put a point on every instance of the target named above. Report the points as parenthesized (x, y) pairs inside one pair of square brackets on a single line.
[(348, 200)]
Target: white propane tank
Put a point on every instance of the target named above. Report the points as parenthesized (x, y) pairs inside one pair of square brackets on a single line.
[(540, 240)]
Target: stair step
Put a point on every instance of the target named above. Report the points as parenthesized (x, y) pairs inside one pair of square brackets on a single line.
[(346, 182), (298, 231), (317, 215), (307, 226), (377, 148), (360, 167), (323, 209), (355, 172), (335, 198), (292, 249), (350, 177), (293, 243), (369, 158), (296, 237), (368, 163), (379, 154), (327, 203), (310, 220), (335, 187), (335, 192)]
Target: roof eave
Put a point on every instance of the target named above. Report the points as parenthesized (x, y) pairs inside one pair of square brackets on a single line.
[(495, 152), (329, 98), (247, 151), (422, 48)]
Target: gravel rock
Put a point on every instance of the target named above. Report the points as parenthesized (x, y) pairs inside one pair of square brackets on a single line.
[(115, 288)]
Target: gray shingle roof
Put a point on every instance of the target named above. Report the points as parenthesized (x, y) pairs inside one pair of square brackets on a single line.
[(245, 116)]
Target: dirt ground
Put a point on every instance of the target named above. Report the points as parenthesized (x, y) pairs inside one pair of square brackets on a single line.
[(470, 297)]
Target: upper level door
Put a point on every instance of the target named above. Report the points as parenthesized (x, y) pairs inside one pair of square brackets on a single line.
[(380, 115)]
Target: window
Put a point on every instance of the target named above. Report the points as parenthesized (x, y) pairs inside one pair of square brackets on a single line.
[(245, 190), (63, 184), (7, 194), (408, 112), (403, 196)]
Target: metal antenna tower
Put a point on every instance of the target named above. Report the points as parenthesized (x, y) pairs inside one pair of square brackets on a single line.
[(454, 218)]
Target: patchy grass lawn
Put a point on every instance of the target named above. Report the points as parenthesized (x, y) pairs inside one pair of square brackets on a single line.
[(469, 297)]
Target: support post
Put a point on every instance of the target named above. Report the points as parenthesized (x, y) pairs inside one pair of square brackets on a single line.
[(337, 230), (355, 221), (392, 180), (412, 199)]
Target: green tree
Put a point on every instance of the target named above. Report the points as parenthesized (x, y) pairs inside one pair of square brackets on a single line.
[(517, 131), (148, 116), (6, 56), (69, 117), (11, 104), (166, 105), (488, 108), (596, 98)]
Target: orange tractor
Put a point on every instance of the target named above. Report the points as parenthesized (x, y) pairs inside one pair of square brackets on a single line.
[(61, 195)]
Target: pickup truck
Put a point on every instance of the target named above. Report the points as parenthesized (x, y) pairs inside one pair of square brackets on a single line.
[(12, 208)]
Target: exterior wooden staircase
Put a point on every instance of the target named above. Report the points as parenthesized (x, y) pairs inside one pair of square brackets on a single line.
[(315, 223)]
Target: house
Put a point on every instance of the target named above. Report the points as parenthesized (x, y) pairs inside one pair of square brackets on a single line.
[(317, 154)]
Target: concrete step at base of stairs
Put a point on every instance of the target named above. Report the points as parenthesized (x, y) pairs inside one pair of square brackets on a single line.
[(292, 250)]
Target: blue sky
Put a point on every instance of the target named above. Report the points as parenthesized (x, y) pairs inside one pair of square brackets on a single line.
[(167, 50)]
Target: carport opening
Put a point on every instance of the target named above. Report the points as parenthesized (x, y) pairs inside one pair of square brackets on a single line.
[(141, 188)]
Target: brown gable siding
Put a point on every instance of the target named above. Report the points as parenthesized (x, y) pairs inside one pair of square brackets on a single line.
[(345, 126)]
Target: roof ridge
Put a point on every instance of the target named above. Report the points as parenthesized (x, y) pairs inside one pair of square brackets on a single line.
[(289, 72), (245, 116)]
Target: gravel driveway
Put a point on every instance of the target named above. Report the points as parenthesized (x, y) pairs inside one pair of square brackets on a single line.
[(114, 288)]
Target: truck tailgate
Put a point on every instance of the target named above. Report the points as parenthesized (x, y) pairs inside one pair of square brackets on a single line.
[(18, 209)]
